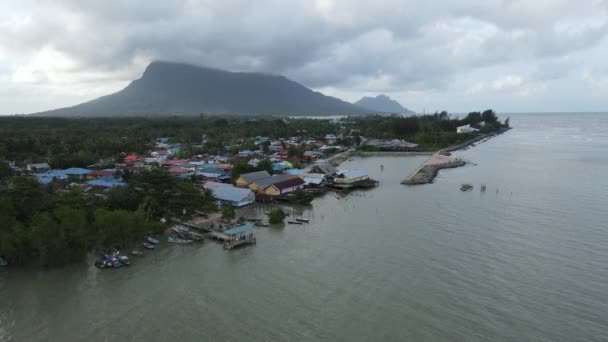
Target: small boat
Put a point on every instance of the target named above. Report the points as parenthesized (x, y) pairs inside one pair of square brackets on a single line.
[(180, 241), (137, 253), (302, 220), (254, 220), (148, 245), (100, 264), (3, 263), (260, 224), (152, 240), (114, 263), (294, 222), (124, 260), (466, 187)]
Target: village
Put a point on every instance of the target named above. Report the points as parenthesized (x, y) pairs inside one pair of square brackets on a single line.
[(279, 176), (195, 184)]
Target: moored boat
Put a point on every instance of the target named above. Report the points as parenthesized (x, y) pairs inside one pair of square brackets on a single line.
[(137, 253), (178, 240), (302, 220), (3, 262), (152, 240), (260, 224), (294, 222), (466, 187), (124, 260), (148, 245)]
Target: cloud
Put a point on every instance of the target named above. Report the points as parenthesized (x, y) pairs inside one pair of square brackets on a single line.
[(348, 48)]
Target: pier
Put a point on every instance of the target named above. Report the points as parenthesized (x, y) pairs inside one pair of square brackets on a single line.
[(427, 172)]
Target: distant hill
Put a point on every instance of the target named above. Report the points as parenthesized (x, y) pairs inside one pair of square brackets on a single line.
[(382, 103), (183, 89)]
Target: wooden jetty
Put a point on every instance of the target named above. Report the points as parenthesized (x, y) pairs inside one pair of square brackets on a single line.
[(249, 240), (216, 235)]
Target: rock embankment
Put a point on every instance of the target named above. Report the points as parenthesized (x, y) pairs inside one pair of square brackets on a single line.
[(428, 171)]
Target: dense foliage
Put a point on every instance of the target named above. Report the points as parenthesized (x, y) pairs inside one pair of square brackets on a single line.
[(81, 142), (276, 215), (48, 227), (429, 131)]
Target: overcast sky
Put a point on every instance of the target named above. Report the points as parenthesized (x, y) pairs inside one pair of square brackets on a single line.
[(457, 55)]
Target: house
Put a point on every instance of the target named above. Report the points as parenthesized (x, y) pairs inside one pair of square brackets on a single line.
[(76, 172), (106, 182), (130, 159), (247, 178), (351, 176), (179, 172), (101, 173), (330, 138), (324, 167), (310, 179), (260, 184), (213, 173), (227, 193), (284, 186), (38, 167), (466, 129), (313, 154)]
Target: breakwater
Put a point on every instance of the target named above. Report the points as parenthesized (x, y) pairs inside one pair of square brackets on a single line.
[(428, 171)]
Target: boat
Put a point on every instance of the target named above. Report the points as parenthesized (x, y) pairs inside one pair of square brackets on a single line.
[(302, 220), (124, 260), (152, 240), (294, 222), (466, 187), (180, 241), (114, 262), (260, 224), (148, 245), (100, 264), (3, 262), (137, 253), (254, 220)]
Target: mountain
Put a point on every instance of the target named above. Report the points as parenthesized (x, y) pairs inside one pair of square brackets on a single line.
[(382, 103), (183, 89)]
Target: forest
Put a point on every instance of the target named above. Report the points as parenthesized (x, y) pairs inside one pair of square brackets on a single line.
[(80, 142), (42, 226)]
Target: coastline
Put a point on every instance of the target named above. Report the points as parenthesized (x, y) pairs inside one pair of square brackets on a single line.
[(442, 159)]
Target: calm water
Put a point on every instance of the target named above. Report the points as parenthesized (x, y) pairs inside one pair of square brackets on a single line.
[(526, 260)]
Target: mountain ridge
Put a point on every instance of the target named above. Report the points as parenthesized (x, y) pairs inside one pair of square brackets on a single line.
[(382, 104), (170, 88)]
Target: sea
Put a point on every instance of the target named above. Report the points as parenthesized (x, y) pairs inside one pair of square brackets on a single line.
[(524, 260)]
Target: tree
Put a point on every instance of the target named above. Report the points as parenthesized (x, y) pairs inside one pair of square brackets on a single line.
[(302, 197), (5, 170), (489, 117), (239, 167), (276, 215), (187, 198), (265, 165), (228, 212)]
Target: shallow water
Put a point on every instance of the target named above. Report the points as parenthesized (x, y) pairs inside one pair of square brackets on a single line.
[(526, 260)]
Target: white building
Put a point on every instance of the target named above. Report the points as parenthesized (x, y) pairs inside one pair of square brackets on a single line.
[(466, 129)]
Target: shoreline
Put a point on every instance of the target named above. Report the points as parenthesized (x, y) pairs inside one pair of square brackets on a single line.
[(442, 159)]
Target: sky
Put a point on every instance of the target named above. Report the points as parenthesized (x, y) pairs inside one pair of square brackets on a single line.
[(454, 55)]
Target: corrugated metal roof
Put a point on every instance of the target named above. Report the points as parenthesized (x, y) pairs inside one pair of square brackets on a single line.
[(226, 192), (253, 176), (76, 171), (288, 183), (354, 173), (106, 182), (264, 182), (239, 229)]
